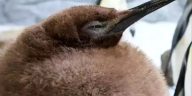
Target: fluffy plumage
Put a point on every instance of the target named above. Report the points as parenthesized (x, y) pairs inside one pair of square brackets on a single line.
[(57, 58)]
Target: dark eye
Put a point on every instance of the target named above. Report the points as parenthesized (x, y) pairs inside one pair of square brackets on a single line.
[(96, 25), (99, 26)]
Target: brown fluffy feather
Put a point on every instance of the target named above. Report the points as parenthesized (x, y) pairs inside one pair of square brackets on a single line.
[(49, 59)]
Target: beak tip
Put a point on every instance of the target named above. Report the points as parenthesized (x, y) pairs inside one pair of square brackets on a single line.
[(128, 17)]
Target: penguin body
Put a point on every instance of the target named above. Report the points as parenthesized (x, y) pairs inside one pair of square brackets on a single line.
[(69, 54)]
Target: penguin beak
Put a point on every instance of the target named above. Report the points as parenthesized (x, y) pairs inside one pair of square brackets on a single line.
[(128, 17)]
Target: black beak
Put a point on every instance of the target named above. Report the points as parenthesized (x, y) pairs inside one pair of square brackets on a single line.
[(128, 17)]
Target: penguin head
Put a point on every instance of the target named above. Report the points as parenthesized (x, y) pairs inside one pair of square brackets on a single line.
[(95, 26), (83, 26)]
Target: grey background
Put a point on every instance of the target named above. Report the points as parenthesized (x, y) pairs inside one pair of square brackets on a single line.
[(27, 12)]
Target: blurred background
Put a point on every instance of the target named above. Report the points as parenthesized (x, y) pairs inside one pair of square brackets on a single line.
[(27, 12), (153, 34)]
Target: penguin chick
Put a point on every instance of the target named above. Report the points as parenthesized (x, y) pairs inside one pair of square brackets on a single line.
[(76, 53)]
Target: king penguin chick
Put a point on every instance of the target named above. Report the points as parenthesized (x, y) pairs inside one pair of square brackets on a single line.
[(76, 53)]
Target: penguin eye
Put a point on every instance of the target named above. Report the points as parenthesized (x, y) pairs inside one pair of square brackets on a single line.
[(96, 25), (95, 28)]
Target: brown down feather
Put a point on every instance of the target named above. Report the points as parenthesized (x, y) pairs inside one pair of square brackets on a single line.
[(51, 59)]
